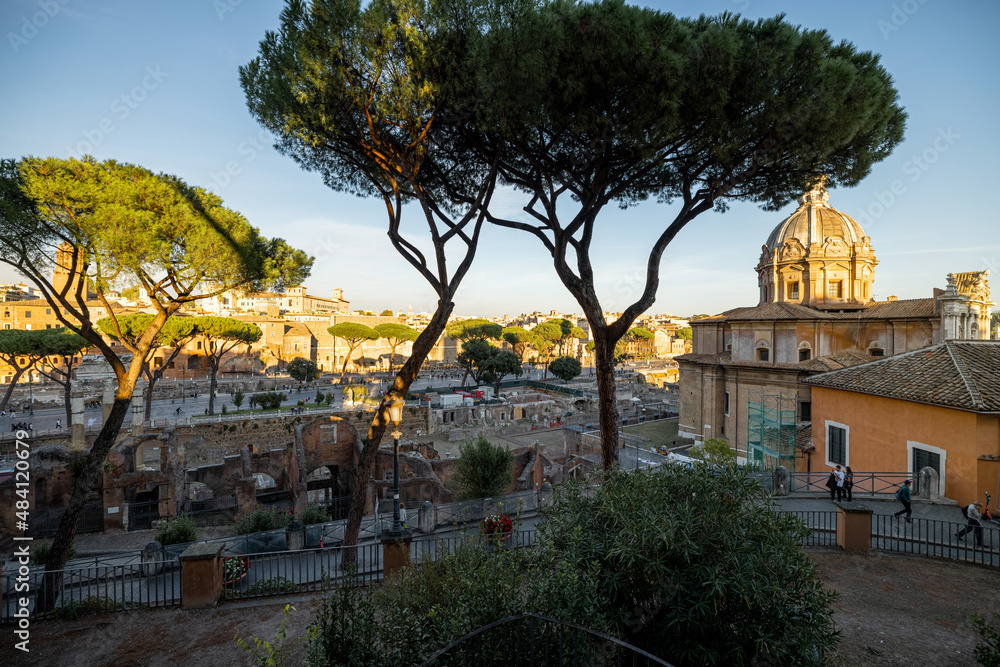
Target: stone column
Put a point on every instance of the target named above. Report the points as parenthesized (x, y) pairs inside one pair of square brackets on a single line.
[(137, 411), (295, 536), (854, 527), (108, 400), (426, 518), (201, 576), (76, 404), (928, 483), (152, 555), (780, 479), (246, 495)]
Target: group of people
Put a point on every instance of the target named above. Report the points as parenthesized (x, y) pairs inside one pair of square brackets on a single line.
[(21, 426), (841, 482)]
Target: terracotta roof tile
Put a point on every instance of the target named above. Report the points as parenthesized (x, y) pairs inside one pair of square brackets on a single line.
[(792, 311), (957, 374)]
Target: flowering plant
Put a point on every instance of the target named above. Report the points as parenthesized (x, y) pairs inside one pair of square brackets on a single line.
[(497, 524), (235, 567)]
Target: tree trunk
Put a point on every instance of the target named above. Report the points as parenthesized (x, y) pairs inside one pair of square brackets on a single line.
[(400, 385), (150, 381), (87, 480), (343, 369), (213, 383), (10, 388), (68, 397), (604, 362)]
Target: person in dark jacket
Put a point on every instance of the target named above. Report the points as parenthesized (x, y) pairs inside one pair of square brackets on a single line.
[(831, 483), (849, 482), (904, 497)]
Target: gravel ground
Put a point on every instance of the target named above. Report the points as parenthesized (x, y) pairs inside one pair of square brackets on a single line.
[(891, 610)]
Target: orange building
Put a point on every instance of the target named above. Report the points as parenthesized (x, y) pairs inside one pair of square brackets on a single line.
[(746, 379), (938, 407)]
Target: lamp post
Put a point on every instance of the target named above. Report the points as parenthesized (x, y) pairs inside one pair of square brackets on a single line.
[(395, 408)]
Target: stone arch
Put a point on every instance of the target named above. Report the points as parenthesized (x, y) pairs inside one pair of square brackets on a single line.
[(326, 441)]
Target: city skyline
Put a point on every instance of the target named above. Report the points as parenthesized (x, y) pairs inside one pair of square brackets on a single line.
[(112, 80)]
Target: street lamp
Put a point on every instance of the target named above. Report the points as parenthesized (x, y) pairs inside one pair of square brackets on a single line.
[(395, 408)]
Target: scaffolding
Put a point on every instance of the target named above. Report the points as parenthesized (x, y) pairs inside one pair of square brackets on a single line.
[(771, 430)]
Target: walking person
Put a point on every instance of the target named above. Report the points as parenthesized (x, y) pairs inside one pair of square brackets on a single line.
[(58, 423), (903, 496), (831, 483), (974, 515), (849, 482)]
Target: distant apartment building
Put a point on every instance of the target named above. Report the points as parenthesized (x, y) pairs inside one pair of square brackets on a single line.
[(294, 300)]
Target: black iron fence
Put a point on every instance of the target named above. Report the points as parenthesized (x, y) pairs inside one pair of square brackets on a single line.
[(141, 515), (936, 538), (866, 484), (211, 512), (282, 573), (822, 527), (532, 640), (92, 589), (45, 521)]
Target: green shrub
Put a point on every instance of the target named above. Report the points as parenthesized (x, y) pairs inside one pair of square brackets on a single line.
[(262, 518), (276, 653), (42, 549), (420, 610), (688, 559), (74, 609), (179, 531), (262, 587), (269, 400), (987, 653), (482, 470), (314, 513)]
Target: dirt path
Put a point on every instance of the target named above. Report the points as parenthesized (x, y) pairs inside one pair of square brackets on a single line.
[(892, 610), (906, 610)]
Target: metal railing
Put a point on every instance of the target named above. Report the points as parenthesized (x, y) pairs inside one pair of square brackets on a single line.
[(95, 589), (936, 539), (866, 484), (822, 526), (45, 521), (309, 570), (541, 641)]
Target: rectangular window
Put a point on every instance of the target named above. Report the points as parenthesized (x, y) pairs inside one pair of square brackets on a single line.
[(805, 411), (793, 290), (835, 289), (763, 354), (805, 355), (27, 313), (876, 352), (836, 444), (48, 311), (726, 407)]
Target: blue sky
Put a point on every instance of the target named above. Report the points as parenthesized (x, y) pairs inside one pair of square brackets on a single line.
[(156, 83)]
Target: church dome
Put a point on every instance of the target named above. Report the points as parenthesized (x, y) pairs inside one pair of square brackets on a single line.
[(815, 221), (817, 257)]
